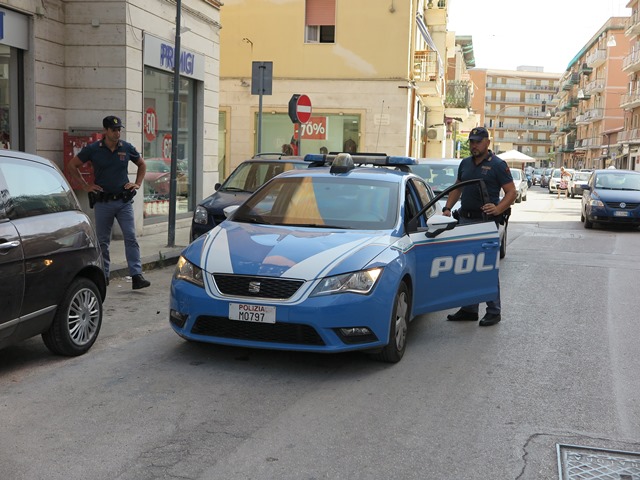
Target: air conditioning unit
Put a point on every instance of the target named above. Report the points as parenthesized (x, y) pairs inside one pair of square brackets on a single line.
[(435, 134)]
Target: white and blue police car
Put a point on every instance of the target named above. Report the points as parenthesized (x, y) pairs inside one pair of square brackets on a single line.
[(337, 257)]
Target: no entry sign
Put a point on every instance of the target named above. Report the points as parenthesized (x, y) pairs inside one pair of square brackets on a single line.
[(300, 108)]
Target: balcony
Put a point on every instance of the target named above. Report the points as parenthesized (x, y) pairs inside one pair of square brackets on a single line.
[(595, 86), (630, 100), (592, 115), (458, 94), (568, 127), (632, 28), (597, 58), (572, 80), (567, 147), (428, 74), (520, 87), (586, 69), (631, 62)]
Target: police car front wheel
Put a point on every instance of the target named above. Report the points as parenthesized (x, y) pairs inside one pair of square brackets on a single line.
[(399, 324)]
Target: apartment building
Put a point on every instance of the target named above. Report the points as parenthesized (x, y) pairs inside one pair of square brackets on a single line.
[(376, 74), (515, 106), (65, 65), (589, 118), (628, 140)]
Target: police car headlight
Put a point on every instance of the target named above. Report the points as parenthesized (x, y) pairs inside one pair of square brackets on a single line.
[(357, 282), (200, 216), (187, 271), (595, 203)]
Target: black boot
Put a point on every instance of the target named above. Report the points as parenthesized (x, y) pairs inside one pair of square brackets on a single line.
[(138, 282)]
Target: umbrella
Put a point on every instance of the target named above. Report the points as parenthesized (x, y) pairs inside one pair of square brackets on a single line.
[(514, 156)]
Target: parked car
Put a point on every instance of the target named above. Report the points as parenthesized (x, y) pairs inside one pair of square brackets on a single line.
[(611, 197), (440, 174), (52, 280), (522, 186), (537, 176), (554, 180), (243, 181), (544, 178), (157, 178), (577, 179), (332, 259)]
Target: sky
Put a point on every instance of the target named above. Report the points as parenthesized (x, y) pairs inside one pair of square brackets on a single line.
[(545, 33)]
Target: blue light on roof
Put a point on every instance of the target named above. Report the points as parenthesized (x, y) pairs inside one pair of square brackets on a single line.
[(364, 159)]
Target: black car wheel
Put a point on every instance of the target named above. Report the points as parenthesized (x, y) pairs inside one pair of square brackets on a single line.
[(77, 321), (587, 223), (394, 350)]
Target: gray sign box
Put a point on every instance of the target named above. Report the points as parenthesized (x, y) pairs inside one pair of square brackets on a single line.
[(261, 78)]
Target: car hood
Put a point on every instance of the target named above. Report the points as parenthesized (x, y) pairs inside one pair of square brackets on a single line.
[(222, 199), (289, 252), (627, 196)]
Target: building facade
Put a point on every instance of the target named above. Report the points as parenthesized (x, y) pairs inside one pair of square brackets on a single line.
[(515, 107), (628, 140), (376, 75), (66, 64), (589, 118)]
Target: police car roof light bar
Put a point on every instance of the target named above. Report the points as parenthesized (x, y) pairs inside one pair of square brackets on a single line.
[(380, 160)]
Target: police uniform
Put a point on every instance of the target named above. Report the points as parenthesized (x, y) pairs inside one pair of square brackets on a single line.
[(111, 173)]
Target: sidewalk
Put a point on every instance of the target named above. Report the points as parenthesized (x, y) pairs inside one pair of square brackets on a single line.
[(153, 248)]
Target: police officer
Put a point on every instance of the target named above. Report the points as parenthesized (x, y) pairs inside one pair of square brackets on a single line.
[(112, 192), (482, 163)]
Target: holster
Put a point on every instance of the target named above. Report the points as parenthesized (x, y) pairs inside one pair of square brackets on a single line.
[(93, 198), (128, 195)]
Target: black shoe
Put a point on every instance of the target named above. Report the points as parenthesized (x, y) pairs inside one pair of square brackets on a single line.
[(463, 315), (106, 281), (490, 319), (138, 282)]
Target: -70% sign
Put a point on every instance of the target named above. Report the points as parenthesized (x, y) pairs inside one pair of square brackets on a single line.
[(315, 129)]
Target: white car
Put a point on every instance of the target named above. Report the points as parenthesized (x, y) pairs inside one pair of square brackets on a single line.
[(522, 187)]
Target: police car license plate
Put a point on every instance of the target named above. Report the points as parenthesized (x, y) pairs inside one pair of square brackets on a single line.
[(620, 213), (252, 313)]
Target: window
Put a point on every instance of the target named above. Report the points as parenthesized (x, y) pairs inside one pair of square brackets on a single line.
[(320, 21), (34, 189)]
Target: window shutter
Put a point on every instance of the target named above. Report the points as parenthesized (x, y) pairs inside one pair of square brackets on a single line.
[(321, 12)]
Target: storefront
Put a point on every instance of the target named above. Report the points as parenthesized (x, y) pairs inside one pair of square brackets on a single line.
[(14, 41), (158, 94)]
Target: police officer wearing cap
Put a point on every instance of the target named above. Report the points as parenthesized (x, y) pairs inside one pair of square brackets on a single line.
[(484, 164), (112, 193)]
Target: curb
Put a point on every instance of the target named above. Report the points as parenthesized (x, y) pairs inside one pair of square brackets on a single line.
[(152, 262)]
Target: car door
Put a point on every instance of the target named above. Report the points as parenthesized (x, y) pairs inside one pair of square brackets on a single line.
[(11, 267), (455, 267)]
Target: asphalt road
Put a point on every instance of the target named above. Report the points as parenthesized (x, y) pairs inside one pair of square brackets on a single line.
[(464, 403)]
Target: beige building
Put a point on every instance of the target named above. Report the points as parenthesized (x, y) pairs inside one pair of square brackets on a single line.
[(589, 118), (515, 106), (376, 74), (628, 140), (64, 65)]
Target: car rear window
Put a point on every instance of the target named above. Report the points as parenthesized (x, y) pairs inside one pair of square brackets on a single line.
[(34, 189)]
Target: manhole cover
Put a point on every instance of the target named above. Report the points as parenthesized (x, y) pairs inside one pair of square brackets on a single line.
[(587, 463)]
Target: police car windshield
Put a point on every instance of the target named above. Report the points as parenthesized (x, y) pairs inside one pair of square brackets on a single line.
[(323, 202)]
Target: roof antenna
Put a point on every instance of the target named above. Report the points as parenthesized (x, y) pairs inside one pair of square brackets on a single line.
[(379, 124)]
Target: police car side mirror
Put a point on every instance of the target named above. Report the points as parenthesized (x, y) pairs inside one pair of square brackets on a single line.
[(229, 210), (438, 224)]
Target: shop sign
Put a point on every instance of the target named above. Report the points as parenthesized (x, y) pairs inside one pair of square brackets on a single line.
[(160, 54), (14, 29), (314, 129), (150, 124)]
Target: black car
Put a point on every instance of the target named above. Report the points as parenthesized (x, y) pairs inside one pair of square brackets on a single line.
[(52, 280), (243, 181)]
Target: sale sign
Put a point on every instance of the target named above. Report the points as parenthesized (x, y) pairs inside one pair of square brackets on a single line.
[(314, 129), (150, 124)]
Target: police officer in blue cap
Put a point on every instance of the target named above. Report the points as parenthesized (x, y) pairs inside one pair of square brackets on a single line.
[(484, 164)]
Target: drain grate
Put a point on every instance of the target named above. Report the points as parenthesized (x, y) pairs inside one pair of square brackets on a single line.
[(587, 463)]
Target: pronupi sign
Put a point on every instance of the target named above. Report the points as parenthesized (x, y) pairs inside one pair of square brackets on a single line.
[(160, 54)]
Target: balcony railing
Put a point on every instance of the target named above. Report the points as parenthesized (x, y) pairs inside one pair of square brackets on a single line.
[(633, 25), (631, 62), (458, 94), (595, 86), (519, 86), (597, 58), (630, 100), (427, 73)]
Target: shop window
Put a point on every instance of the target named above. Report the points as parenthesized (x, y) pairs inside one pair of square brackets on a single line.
[(158, 144)]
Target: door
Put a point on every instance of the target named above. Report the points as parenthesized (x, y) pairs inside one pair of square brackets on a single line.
[(11, 276)]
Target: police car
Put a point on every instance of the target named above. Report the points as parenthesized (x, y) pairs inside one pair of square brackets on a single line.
[(338, 257)]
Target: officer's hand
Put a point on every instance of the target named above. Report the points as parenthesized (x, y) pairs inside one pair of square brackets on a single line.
[(490, 209), (447, 213), (131, 186), (91, 187)]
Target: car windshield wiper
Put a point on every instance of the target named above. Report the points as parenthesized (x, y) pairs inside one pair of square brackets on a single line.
[(235, 189), (251, 219), (314, 225)]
